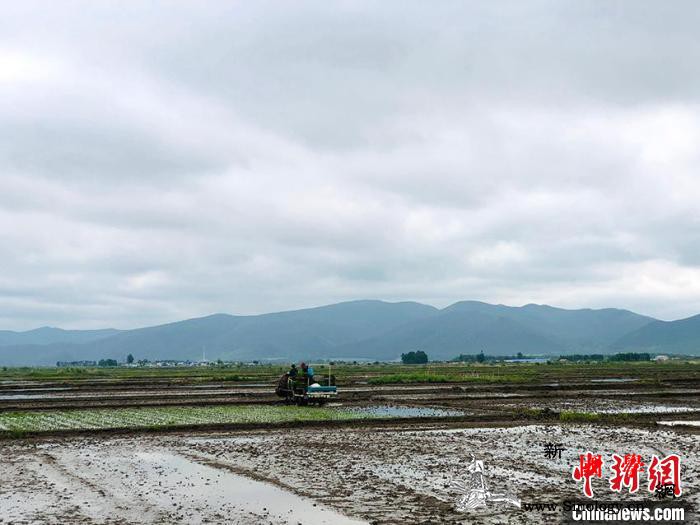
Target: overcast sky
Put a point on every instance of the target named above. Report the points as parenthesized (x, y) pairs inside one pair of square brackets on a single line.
[(165, 160)]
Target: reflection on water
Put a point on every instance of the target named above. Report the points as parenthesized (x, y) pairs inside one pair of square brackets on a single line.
[(616, 380), (679, 423), (193, 483)]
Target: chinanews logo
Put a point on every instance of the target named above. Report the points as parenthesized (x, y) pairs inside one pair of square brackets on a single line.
[(632, 473), (663, 475)]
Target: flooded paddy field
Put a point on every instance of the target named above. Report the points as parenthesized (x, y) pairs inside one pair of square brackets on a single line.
[(205, 449), (413, 473), (13, 424), (627, 406)]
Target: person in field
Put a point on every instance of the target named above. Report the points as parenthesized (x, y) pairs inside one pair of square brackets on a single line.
[(307, 373)]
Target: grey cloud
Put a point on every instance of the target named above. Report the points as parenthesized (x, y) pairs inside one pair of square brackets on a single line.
[(64, 150), (166, 160)]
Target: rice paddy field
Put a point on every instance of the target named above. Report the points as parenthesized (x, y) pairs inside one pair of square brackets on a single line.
[(216, 445), (156, 417), (379, 372)]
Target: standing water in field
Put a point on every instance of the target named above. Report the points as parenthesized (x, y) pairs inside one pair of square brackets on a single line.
[(189, 482), (616, 380)]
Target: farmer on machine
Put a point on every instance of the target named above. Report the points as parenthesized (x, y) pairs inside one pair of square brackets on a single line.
[(298, 386)]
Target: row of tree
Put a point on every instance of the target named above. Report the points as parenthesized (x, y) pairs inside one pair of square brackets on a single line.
[(114, 362), (626, 356), (481, 357), (414, 358)]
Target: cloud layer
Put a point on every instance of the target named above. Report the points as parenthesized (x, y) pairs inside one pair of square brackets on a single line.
[(167, 160)]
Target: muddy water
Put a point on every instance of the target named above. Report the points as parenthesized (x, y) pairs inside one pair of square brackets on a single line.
[(107, 482), (600, 406), (403, 474), (79, 395), (228, 490), (411, 476), (13, 397), (615, 380), (648, 409), (679, 423)]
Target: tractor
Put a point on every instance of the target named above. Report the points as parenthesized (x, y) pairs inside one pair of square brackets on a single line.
[(306, 390)]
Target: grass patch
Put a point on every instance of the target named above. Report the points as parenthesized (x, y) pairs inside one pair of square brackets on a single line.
[(412, 377), (428, 377), (378, 373), (236, 377), (580, 417), (532, 412)]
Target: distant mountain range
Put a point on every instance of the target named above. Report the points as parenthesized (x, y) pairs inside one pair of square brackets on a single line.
[(364, 329), (681, 336), (47, 335)]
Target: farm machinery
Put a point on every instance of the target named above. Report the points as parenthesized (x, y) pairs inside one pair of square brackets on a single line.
[(304, 389)]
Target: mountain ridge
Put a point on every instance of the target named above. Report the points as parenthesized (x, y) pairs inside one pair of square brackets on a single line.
[(370, 329)]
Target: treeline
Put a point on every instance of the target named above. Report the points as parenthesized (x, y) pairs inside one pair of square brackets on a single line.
[(483, 358), (414, 358), (101, 362), (583, 357), (626, 356)]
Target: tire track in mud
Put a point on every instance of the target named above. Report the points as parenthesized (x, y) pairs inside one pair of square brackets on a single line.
[(378, 500), (101, 495), (207, 460)]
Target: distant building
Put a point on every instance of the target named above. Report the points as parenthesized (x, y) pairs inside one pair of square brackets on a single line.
[(660, 358)]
